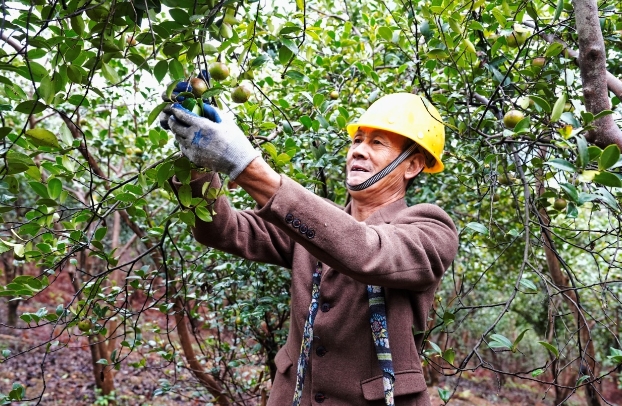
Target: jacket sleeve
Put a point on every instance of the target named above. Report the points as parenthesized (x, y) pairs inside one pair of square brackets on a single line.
[(411, 252), (239, 232)]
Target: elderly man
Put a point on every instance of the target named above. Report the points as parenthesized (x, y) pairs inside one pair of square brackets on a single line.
[(371, 267)]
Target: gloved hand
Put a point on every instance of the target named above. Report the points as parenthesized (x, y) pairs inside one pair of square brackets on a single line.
[(183, 86), (222, 147)]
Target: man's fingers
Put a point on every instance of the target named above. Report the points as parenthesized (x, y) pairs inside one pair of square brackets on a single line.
[(164, 121), (211, 113), (180, 130)]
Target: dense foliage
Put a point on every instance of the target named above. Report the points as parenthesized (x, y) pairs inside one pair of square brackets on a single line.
[(84, 193)]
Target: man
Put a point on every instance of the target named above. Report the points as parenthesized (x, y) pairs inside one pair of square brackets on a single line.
[(370, 267)]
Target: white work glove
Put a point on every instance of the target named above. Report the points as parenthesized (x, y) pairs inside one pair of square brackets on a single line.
[(221, 147)]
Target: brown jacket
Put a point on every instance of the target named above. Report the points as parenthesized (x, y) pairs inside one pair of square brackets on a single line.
[(405, 249)]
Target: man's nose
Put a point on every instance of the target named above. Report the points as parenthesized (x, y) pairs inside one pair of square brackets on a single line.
[(360, 150)]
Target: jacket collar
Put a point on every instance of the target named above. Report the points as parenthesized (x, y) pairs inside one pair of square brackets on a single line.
[(383, 215)]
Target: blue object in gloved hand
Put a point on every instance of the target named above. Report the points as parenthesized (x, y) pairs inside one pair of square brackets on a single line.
[(222, 147)]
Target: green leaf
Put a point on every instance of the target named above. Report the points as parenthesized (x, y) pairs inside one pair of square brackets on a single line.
[(180, 16), (110, 74), (188, 217), (55, 187), (318, 98), (558, 108), (100, 233), (550, 347), (480, 228), (185, 195), (444, 394), (538, 372), (176, 69), (203, 214), (570, 191), (527, 284), (156, 112), (39, 189), (553, 49), (561, 164), (42, 137), (14, 92), (30, 107), (285, 54), (558, 10), (499, 341), (74, 74), (609, 157), (102, 361), (46, 90), (582, 156), (160, 70), (449, 355), (386, 33), (540, 102), (518, 339), (291, 45), (608, 179)]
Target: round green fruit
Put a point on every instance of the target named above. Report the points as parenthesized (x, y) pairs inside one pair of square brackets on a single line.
[(198, 86), (334, 95), (85, 325), (516, 38), (512, 117), (539, 61), (241, 93), (99, 13), (218, 71), (560, 204)]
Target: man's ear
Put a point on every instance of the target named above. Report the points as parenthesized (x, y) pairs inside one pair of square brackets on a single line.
[(416, 164)]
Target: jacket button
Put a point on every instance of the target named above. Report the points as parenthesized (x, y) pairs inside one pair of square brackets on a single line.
[(303, 228), (320, 351), (325, 307), (296, 223), (310, 233), (289, 217), (319, 397)]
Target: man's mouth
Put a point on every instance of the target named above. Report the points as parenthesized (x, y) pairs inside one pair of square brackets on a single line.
[(357, 168)]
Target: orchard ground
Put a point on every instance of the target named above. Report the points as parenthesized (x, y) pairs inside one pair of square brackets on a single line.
[(69, 375)]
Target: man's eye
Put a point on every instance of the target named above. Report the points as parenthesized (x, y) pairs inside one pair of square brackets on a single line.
[(377, 142)]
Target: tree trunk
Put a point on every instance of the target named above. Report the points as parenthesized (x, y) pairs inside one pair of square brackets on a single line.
[(185, 338), (593, 65), (10, 272), (562, 281)]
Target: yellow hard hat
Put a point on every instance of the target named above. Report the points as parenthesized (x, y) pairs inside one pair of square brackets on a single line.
[(411, 116)]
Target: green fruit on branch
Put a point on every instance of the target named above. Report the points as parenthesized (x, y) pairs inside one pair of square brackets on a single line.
[(512, 117), (334, 95), (517, 38), (198, 86), (241, 93), (226, 31), (539, 61), (85, 325), (99, 13), (218, 71), (560, 204)]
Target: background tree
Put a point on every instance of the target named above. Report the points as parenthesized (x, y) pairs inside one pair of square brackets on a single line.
[(534, 293)]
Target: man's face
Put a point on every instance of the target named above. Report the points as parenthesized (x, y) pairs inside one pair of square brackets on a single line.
[(371, 151)]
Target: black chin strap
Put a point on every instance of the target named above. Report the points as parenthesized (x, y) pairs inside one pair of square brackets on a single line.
[(389, 168)]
